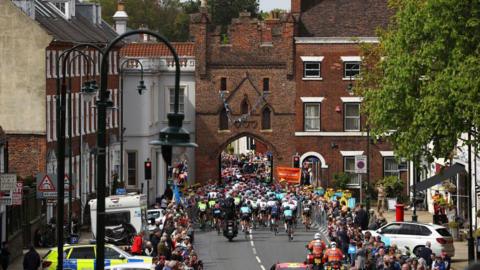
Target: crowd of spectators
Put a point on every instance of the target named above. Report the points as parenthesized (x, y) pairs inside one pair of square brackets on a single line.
[(248, 165), (171, 241), (364, 251)]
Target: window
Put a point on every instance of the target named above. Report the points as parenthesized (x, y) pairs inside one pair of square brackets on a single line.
[(244, 107), (82, 253), (2, 159), (311, 69), (223, 84), (250, 143), (266, 84), (409, 229), (444, 232), (349, 168), (61, 7), (266, 118), (390, 167), (223, 120), (181, 100), (391, 229), (352, 117), (117, 218), (351, 69), (132, 168), (111, 254), (312, 117)]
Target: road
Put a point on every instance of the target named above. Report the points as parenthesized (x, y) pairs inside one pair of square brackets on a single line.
[(260, 251)]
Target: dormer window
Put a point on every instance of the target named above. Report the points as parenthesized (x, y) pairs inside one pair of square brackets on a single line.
[(63, 8)]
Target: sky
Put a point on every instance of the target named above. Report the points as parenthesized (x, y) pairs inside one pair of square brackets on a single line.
[(267, 5)]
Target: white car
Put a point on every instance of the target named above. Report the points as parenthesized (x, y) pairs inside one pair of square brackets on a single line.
[(157, 215), (415, 236), (131, 266)]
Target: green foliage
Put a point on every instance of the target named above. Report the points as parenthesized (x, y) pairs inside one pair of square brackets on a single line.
[(223, 11), (421, 83), (393, 186), (341, 180)]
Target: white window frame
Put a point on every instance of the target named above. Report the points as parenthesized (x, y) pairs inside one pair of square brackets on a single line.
[(170, 102), (319, 104), (390, 172), (354, 175), (345, 77), (127, 152), (307, 77), (345, 117)]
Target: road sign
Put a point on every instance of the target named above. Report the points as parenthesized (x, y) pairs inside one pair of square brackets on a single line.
[(8, 182), (17, 194), (46, 185), (360, 164), (67, 184)]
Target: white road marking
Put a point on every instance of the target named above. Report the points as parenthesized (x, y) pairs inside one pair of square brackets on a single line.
[(254, 251), (251, 243), (258, 260), (261, 266)]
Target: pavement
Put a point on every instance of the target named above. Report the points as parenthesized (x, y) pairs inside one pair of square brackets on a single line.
[(260, 250)]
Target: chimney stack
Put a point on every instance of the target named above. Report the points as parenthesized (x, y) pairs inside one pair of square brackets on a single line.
[(120, 18), (296, 7)]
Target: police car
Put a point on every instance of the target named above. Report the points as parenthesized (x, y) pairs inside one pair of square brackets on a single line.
[(82, 257)]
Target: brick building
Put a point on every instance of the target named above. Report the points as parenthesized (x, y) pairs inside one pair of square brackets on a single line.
[(329, 127), (28, 107), (252, 65)]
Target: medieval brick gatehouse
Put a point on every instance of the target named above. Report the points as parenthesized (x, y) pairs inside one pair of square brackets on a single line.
[(253, 65)]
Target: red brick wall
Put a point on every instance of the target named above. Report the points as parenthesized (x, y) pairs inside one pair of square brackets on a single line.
[(26, 154), (256, 51), (332, 88)]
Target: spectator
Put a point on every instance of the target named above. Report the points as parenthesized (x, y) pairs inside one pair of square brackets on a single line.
[(426, 253), (137, 244), (4, 256), (31, 260), (155, 239), (148, 251)]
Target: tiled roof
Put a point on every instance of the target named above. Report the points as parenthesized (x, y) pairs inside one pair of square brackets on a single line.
[(344, 18), (77, 29), (156, 49)]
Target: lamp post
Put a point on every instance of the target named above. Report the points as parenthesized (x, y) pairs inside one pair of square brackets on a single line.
[(70, 162), (61, 94), (141, 87), (173, 135), (416, 178), (471, 247)]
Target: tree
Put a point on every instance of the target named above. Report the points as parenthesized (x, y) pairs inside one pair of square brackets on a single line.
[(421, 83), (223, 11)]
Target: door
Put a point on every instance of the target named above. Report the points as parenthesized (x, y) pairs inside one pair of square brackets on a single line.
[(82, 257), (389, 233)]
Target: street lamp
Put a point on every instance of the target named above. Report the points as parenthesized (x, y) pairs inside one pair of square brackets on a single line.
[(70, 116), (174, 135), (140, 88), (61, 94)]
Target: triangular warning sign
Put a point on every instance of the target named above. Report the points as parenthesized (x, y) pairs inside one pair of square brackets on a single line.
[(67, 185), (46, 185)]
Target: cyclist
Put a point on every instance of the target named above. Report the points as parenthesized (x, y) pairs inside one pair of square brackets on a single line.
[(263, 211), (217, 216), (254, 203), (288, 216), (274, 215), (306, 212), (202, 207), (246, 213)]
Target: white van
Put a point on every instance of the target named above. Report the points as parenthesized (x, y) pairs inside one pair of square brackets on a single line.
[(120, 209)]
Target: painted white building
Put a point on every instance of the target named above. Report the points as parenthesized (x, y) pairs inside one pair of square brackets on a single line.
[(145, 115)]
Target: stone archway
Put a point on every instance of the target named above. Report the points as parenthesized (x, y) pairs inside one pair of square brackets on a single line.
[(245, 154)]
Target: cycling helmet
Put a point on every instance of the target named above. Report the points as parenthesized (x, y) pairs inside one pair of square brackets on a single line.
[(333, 244), (317, 236)]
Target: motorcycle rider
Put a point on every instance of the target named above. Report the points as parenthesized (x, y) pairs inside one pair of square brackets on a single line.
[(333, 254), (317, 247)]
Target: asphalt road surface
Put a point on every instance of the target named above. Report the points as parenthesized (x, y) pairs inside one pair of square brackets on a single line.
[(260, 251)]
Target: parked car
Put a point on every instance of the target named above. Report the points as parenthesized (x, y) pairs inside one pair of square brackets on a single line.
[(82, 257), (415, 236)]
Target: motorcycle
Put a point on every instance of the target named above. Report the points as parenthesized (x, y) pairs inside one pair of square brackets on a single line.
[(120, 235), (230, 230), (314, 261), (336, 265)]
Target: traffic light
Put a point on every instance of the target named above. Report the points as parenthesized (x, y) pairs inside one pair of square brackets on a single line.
[(296, 161), (148, 169)]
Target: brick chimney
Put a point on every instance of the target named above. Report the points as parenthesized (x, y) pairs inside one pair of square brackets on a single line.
[(296, 6), (120, 17)]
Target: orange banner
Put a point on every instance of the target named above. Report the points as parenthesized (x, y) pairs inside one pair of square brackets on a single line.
[(289, 175)]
